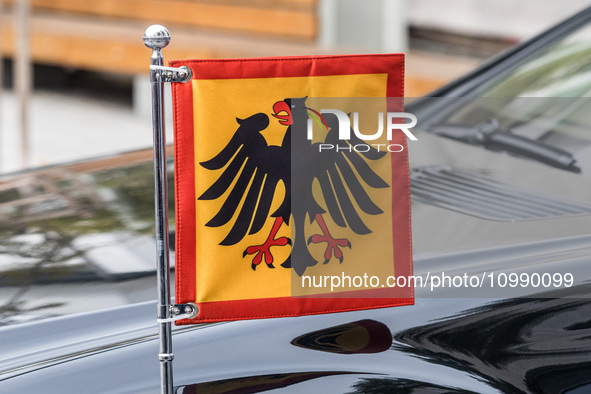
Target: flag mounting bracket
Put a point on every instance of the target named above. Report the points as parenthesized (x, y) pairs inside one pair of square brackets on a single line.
[(177, 312), (181, 74)]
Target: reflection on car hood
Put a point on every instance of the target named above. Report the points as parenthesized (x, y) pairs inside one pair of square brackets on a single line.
[(85, 230), (438, 231), (443, 345)]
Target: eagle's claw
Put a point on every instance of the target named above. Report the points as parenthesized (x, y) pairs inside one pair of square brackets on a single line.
[(333, 248), (263, 250)]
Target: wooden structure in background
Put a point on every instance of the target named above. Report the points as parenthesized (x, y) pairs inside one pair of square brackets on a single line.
[(105, 35)]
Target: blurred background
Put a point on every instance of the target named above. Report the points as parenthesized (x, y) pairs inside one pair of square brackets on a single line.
[(74, 72)]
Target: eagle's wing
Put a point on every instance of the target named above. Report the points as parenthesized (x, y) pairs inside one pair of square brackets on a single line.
[(253, 169), (343, 169)]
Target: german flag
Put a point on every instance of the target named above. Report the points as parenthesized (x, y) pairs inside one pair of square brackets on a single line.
[(273, 206)]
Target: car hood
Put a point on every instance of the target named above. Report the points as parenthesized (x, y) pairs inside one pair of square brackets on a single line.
[(450, 345), (81, 235), (526, 199), (529, 345), (78, 237)]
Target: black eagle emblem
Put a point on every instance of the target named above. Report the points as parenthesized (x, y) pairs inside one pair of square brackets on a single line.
[(254, 170)]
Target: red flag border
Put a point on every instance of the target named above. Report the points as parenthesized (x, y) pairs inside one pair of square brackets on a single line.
[(185, 271)]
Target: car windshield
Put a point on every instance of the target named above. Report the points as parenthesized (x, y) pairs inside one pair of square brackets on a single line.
[(545, 99), (561, 70)]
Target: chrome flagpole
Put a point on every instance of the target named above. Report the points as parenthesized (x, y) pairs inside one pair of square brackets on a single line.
[(157, 37)]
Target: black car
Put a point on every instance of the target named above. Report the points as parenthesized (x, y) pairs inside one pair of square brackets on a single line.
[(501, 183)]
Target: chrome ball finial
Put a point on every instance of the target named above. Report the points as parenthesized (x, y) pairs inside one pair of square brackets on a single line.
[(156, 37)]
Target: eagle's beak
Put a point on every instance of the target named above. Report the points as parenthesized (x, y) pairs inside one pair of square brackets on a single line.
[(282, 111)]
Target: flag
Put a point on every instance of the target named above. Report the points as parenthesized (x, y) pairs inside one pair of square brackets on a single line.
[(268, 216)]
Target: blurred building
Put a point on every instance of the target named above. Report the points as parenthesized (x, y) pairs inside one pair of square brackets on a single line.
[(504, 19), (105, 35), (93, 49)]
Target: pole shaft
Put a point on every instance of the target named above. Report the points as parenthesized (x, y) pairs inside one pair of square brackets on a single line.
[(161, 214)]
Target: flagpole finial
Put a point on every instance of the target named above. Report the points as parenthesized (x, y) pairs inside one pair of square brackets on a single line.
[(156, 37)]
